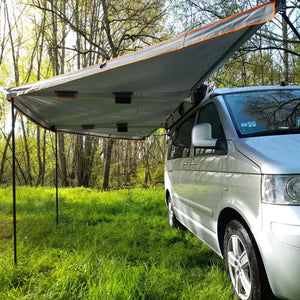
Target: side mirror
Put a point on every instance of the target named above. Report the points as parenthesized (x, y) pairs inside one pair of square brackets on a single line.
[(202, 137)]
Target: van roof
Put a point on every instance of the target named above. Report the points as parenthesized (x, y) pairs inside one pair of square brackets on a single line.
[(225, 91)]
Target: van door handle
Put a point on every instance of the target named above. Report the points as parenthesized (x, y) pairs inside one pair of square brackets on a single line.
[(185, 163), (193, 163)]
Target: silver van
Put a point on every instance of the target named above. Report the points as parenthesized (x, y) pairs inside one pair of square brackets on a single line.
[(232, 178)]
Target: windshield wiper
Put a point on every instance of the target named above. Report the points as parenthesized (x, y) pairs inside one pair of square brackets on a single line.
[(273, 132)]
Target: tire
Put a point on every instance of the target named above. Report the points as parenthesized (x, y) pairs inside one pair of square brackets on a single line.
[(243, 264), (173, 222)]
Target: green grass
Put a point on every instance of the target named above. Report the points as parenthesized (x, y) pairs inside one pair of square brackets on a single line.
[(108, 245)]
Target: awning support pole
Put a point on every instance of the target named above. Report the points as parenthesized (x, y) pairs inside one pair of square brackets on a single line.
[(13, 149), (56, 176)]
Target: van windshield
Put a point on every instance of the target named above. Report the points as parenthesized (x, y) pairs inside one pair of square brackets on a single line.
[(265, 112)]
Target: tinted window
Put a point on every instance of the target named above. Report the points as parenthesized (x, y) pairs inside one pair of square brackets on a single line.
[(181, 139), (209, 114)]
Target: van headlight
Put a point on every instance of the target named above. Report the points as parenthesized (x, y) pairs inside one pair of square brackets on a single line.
[(281, 189)]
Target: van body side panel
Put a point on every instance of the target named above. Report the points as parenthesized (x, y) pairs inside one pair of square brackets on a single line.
[(243, 194), (175, 170), (202, 186), (199, 194), (242, 188)]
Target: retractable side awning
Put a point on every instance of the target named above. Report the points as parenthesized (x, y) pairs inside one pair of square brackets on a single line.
[(131, 96)]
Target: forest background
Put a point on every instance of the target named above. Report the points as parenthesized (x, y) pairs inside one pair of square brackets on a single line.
[(44, 38)]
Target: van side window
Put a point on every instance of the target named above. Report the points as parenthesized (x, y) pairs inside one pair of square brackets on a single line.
[(209, 114), (181, 139)]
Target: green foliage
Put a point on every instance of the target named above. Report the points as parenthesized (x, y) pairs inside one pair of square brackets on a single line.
[(248, 70), (108, 245)]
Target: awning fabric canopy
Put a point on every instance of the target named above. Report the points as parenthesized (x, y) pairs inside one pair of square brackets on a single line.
[(131, 96)]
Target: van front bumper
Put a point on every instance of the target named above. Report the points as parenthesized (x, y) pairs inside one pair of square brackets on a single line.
[(279, 244)]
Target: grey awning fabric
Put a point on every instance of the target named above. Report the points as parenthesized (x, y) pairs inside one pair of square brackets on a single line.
[(154, 81)]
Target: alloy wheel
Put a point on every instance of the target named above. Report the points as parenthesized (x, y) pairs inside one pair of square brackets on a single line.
[(239, 268)]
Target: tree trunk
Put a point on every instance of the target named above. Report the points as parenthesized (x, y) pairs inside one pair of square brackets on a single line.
[(55, 59), (27, 161), (90, 149), (109, 147), (261, 62), (17, 160), (38, 148), (134, 160), (63, 161), (79, 164), (4, 156), (14, 50), (147, 175), (244, 73), (44, 158), (285, 53), (127, 164)]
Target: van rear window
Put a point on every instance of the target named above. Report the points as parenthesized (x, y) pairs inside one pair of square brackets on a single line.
[(265, 112)]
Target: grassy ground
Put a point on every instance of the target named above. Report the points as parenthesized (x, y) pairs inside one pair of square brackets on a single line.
[(108, 245)]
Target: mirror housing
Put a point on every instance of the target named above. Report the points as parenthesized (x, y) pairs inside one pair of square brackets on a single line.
[(202, 136)]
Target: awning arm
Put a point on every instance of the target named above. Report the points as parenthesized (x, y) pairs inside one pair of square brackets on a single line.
[(279, 5), (286, 18)]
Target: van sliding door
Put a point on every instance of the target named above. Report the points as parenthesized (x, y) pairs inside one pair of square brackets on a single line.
[(203, 180)]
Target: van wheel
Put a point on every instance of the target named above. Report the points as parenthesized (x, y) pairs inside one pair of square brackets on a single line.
[(242, 262), (173, 222)]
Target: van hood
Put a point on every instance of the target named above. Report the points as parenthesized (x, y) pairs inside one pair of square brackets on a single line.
[(278, 154)]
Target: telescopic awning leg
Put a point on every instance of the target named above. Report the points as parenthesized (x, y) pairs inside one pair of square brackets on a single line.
[(56, 177), (13, 149)]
